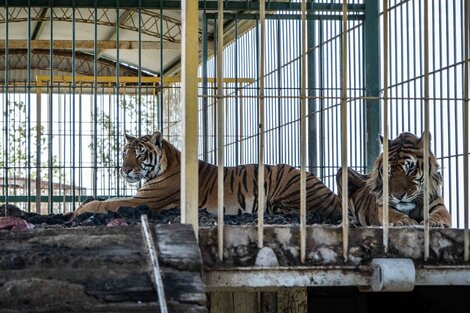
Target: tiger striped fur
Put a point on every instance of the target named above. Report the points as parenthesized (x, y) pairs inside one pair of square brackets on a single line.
[(406, 187), (156, 161)]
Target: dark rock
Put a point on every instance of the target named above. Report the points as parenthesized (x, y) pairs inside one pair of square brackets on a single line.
[(130, 215), (11, 210)]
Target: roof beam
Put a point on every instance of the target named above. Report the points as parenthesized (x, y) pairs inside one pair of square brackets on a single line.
[(40, 25), (251, 5), (89, 44), (123, 18)]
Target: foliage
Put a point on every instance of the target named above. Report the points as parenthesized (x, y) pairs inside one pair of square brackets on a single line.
[(14, 152)]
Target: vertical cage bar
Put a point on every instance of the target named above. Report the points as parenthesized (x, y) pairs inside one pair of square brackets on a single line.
[(372, 73), (314, 128), (80, 138), (205, 100), (50, 164), (465, 123), (344, 128), (6, 130), (261, 194), (139, 70), (29, 153), (385, 207), (238, 120), (38, 145), (118, 92), (95, 102), (162, 71), (426, 133), (303, 135), (73, 101), (456, 111), (220, 129), (279, 89), (321, 108), (189, 166)]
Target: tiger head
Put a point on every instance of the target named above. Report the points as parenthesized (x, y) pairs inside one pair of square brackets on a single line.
[(406, 175), (143, 158)]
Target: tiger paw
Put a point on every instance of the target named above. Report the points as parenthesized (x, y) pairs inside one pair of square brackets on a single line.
[(403, 221), (92, 207), (434, 222)]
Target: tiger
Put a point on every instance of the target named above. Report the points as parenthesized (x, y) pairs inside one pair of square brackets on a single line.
[(406, 187), (157, 163)]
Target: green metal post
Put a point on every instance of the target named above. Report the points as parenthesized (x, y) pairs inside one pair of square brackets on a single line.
[(314, 129), (372, 79)]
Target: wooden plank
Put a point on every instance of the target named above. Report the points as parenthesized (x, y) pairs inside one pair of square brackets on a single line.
[(234, 302), (292, 300), (177, 247), (245, 302), (221, 302), (74, 269), (268, 302), (184, 287), (93, 269)]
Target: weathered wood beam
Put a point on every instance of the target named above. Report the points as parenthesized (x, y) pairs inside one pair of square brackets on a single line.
[(100, 269)]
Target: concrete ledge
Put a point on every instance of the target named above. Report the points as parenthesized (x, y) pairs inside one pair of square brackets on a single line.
[(324, 246)]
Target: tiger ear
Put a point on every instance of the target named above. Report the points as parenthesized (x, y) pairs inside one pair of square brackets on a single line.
[(157, 139), (421, 140), (129, 138), (381, 138)]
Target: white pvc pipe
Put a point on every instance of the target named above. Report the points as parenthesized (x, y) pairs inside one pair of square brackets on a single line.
[(393, 275)]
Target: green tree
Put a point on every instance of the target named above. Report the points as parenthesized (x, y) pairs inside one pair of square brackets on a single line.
[(14, 153)]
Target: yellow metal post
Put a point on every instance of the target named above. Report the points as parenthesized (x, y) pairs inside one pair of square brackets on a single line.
[(189, 161)]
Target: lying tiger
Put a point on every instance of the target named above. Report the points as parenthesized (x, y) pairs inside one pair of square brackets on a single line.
[(157, 162), (406, 187)]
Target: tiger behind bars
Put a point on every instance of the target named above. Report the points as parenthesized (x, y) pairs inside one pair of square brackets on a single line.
[(158, 163), (406, 187)]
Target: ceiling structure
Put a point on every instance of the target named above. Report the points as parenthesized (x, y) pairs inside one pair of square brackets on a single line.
[(160, 29), (111, 31), (109, 25)]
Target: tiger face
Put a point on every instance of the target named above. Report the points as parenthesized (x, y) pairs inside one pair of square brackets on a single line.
[(142, 158), (406, 175)]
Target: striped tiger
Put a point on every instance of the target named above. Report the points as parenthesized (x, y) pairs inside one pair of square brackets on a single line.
[(158, 163), (406, 187)]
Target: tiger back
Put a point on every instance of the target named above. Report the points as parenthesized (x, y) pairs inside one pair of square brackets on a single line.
[(158, 163)]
